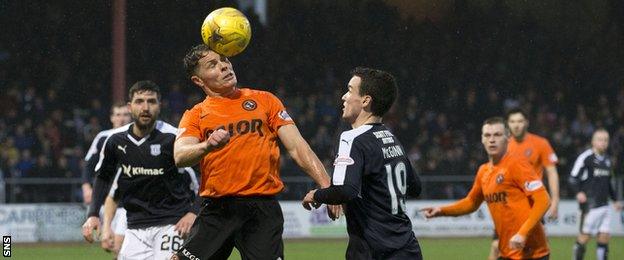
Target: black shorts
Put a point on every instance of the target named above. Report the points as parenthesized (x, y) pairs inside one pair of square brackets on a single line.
[(546, 257), (253, 225), (359, 249)]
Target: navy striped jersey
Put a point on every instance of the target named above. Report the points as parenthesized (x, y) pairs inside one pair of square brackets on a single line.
[(592, 174), (373, 176), (152, 189)]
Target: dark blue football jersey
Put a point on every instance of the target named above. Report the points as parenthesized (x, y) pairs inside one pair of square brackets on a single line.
[(151, 188), (591, 174), (373, 177)]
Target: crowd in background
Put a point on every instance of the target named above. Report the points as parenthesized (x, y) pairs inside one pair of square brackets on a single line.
[(452, 74)]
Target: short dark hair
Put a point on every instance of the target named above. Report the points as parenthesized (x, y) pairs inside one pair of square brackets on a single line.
[(516, 110), (378, 84), (495, 120), (192, 58), (117, 104), (143, 85)]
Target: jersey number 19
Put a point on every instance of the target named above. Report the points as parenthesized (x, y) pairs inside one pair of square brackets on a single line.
[(398, 174)]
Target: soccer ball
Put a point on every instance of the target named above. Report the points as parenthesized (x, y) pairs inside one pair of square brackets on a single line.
[(227, 31)]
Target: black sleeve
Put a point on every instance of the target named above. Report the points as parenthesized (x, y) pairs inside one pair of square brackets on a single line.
[(335, 195), (101, 187), (92, 158), (576, 183), (347, 177), (414, 186), (612, 194), (105, 172)]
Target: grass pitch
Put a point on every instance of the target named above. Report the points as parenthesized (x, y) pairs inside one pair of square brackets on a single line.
[(433, 248)]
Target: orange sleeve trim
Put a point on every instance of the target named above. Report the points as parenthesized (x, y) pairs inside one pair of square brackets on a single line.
[(541, 201), (462, 207)]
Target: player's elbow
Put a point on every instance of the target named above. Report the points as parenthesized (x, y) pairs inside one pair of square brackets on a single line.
[(181, 161)]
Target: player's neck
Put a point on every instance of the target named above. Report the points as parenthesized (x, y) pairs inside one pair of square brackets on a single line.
[(520, 137), (596, 152), (226, 94), (141, 132), (365, 119), (495, 159)]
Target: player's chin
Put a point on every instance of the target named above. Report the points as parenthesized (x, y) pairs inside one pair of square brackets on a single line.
[(145, 122)]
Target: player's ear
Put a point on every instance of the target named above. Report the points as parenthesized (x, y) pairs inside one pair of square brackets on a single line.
[(367, 101), (197, 81)]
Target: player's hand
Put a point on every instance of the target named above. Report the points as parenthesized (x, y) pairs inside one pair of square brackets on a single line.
[(334, 211), (517, 242), (553, 212), (218, 139), (431, 212), (184, 224), (618, 205), (581, 197), (87, 190), (87, 228), (106, 240), (308, 201)]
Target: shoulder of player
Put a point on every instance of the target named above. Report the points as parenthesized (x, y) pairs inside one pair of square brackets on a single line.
[(118, 132), (536, 139), (515, 162), (356, 134), (587, 154), (195, 110), (165, 127)]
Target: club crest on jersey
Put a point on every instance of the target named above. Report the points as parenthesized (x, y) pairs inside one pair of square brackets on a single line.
[(343, 160), (528, 152), (284, 115), (499, 178), (249, 105), (155, 149)]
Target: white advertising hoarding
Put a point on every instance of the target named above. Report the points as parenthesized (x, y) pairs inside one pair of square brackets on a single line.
[(300, 223), (62, 222)]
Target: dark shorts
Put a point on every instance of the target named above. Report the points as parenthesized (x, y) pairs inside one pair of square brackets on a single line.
[(253, 225), (546, 257), (359, 249)]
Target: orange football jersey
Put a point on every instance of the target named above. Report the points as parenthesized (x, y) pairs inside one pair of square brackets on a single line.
[(248, 165), (506, 187), (536, 149)]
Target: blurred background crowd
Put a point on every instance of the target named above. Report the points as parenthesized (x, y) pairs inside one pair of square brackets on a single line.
[(457, 63)]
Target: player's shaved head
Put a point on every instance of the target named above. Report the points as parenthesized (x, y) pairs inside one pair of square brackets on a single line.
[(600, 141), (496, 120)]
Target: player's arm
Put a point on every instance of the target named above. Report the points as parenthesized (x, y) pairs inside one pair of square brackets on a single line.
[(469, 204), (553, 185), (414, 185), (347, 178), (110, 207), (466, 205), (303, 155), (526, 179), (91, 159), (541, 201), (549, 160), (612, 194), (101, 186), (191, 145), (576, 183), (188, 151)]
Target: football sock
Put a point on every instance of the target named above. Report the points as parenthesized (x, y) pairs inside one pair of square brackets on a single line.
[(602, 251), (578, 252)]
